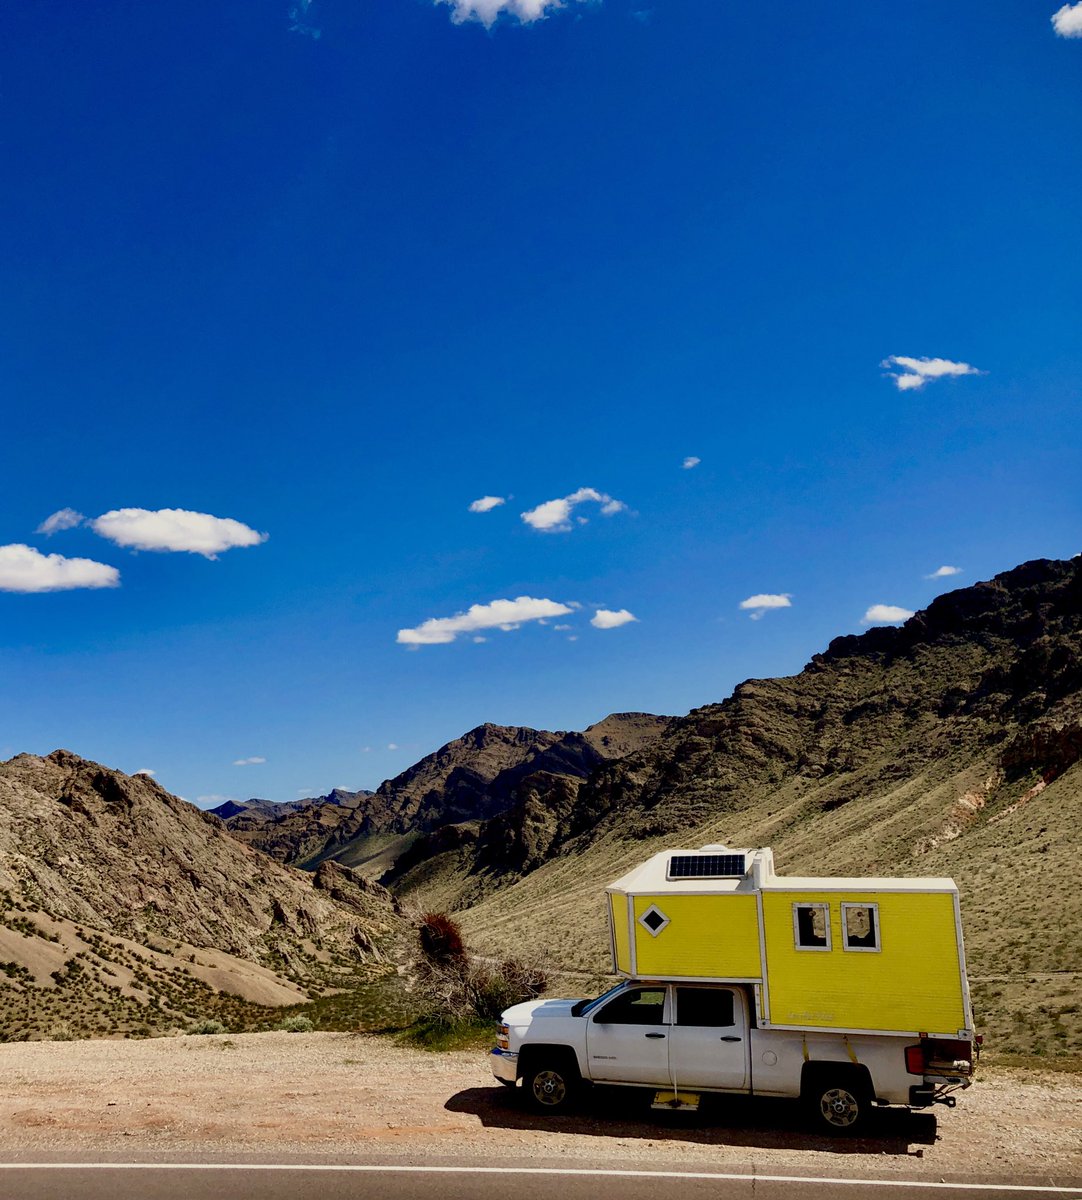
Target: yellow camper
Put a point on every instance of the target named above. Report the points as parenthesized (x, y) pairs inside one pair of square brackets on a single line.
[(848, 956)]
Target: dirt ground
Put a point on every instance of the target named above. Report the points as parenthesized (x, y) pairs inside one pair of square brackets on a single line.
[(357, 1097)]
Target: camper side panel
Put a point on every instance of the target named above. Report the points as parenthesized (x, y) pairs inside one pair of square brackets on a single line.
[(703, 937), (911, 981), (621, 938)]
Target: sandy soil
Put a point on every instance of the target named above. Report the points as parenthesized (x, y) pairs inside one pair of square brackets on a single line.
[(356, 1097)]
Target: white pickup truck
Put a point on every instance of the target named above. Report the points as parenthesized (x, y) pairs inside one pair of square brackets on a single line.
[(683, 1039)]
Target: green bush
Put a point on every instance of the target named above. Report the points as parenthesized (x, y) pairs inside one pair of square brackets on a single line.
[(209, 1026), (297, 1024)]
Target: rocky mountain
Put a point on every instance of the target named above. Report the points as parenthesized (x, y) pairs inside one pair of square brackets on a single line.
[(949, 745), (471, 779), (131, 909), (295, 831)]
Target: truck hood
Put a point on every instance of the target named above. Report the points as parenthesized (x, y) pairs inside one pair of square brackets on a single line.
[(523, 1014)]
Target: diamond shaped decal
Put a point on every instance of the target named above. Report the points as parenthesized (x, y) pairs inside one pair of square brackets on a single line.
[(653, 920)]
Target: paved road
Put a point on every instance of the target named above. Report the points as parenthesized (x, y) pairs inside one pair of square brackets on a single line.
[(296, 1181)]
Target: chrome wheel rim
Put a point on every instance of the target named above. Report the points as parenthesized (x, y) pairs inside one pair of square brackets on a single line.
[(549, 1088), (839, 1108)]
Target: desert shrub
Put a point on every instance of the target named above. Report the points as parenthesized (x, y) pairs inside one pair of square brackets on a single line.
[(297, 1024), (207, 1026), (441, 939), (460, 992), (62, 1031)]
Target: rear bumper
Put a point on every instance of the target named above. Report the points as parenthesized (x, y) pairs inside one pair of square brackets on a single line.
[(504, 1065)]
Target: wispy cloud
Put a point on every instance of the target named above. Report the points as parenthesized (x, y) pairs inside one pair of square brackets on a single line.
[(691, 462), (487, 12), (300, 13), (392, 745), (66, 518), (554, 516), (213, 800), (1067, 21), (605, 618), (254, 761), (487, 504), (944, 572), (24, 569), (499, 614), (174, 529), (145, 771), (916, 372), (886, 614), (762, 602)]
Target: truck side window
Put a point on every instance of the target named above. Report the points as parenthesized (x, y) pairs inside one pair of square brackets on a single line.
[(860, 926), (811, 926), (704, 1006), (640, 1006)]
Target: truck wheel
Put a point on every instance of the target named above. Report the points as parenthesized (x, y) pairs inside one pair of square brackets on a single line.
[(551, 1085), (839, 1105)]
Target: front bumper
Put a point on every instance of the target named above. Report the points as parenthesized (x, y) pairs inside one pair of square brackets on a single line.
[(504, 1065)]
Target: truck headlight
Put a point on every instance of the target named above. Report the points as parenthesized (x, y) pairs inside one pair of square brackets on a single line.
[(503, 1037)]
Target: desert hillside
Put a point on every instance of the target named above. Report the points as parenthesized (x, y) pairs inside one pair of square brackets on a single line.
[(124, 908)]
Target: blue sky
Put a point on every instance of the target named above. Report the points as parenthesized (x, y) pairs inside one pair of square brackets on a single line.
[(334, 271)]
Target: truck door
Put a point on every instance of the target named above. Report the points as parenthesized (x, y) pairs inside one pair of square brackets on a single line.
[(708, 1039), (627, 1038)]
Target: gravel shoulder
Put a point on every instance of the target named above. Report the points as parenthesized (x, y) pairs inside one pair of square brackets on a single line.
[(362, 1098)]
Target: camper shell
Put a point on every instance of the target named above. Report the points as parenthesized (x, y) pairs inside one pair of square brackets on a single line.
[(842, 955)]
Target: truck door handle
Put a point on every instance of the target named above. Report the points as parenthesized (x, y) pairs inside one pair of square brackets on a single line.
[(732, 1039), (655, 1035)]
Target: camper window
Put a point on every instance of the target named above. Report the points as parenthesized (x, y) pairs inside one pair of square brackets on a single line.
[(811, 926), (860, 926)]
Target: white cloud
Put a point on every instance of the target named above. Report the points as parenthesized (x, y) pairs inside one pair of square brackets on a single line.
[(886, 614), (487, 504), (66, 518), (762, 602), (174, 529), (943, 572), (24, 569), (605, 618), (690, 462), (255, 760), (916, 372), (500, 614), (479, 640), (554, 516), (1067, 21), (145, 771), (488, 11), (392, 745), (562, 628)]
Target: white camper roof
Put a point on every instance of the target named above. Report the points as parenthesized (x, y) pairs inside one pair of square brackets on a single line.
[(656, 876)]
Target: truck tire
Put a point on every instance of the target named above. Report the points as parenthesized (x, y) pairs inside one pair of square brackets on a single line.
[(838, 1103), (551, 1083)]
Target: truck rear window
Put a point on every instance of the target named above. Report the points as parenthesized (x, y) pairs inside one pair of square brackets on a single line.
[(704, 1006)]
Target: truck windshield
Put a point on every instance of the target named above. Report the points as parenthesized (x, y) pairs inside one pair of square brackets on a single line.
[(585, 1006)]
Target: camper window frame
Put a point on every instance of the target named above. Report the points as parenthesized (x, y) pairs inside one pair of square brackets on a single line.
[(797, 943), (874, 907)]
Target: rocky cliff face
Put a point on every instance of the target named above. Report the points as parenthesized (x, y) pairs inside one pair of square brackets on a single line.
[(90, 853)]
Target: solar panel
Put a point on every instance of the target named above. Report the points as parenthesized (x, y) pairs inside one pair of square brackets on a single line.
[(707, 866)]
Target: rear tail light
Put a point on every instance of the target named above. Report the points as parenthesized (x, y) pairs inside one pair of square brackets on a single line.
[(914, 1060)]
